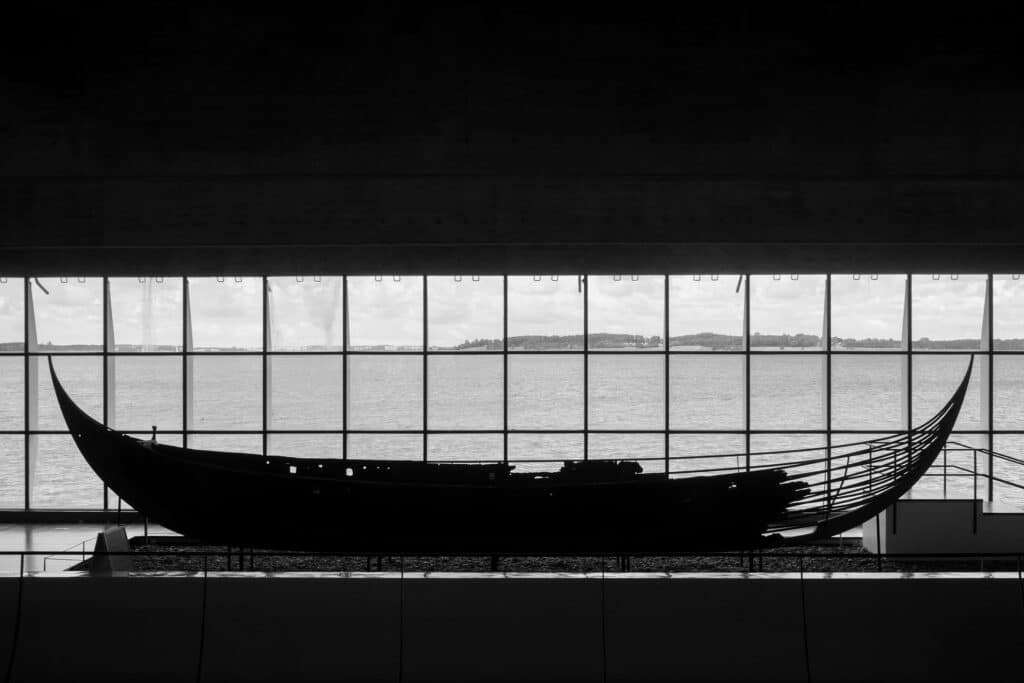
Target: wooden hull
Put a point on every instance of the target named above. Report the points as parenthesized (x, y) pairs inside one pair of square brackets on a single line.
[(320, 508), (382, 506)]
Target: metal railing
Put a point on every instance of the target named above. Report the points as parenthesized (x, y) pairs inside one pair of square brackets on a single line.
[(985, 475)]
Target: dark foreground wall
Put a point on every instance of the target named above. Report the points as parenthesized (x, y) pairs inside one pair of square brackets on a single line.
[(565, 628), (395, 137)]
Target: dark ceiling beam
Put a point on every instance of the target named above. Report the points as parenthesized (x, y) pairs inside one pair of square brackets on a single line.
[(517, 259), (351, 210)]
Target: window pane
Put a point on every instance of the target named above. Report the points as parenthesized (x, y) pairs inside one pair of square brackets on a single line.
[(626, 313), (147, 391), (555, 448), (951, 474), (146, 315), (385, 447), (465, 393), (1010, 491), (1008, 313), (849, 449), (627, 392), (867, 392), (763, 449), (545, 392), (786, 313), (465, 447), (545, 314), (705, 314), (867, 313), (12, 471), (227, 315), (787, 392), (937, 377), (706, 454), (465, 314), (307, 315), (762, 445), (947, 313), (226, 392), (61, 478), (385, 315), (12, 393), (707, 392), (81, 377), (647, 449), (306, 445), (1008, 393), (385, 392), (70, 317), (230, 443), (305, 392), (12, 315)]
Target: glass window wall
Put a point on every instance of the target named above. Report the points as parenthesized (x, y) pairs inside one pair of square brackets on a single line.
[(529, 369)]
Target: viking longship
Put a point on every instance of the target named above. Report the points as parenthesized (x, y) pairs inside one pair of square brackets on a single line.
[(392, 506)]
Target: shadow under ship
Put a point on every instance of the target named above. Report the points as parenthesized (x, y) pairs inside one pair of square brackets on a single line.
[(604, 506)]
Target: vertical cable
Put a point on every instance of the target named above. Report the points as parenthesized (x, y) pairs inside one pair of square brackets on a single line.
[(202, 623), (803, 620), (17, 620), (401, 619)]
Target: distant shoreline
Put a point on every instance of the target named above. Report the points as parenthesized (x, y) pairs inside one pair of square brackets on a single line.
[(704, 341)]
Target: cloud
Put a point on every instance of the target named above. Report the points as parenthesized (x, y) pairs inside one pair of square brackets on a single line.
[(545, 306), (307, 313), (464, 310), (226, 314), (72, 313), (386, 312), (128, 303)]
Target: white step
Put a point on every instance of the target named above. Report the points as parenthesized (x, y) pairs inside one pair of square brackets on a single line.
[(936, 525)]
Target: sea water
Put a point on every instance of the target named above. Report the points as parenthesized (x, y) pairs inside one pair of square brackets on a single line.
[(466, 392)]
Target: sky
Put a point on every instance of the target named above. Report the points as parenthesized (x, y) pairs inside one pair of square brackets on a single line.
[(390, 310)]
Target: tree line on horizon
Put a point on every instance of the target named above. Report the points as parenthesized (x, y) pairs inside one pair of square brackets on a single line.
[(715, 341), (608, 340)]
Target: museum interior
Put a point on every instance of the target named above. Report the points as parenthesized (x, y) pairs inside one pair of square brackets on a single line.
[(513, 342)]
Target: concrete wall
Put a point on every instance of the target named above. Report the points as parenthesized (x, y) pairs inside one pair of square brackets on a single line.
[(508, 628)]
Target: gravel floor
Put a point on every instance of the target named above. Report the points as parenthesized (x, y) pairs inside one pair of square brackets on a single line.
[(848, 557)]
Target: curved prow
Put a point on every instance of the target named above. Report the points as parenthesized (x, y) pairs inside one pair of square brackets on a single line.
[(94, 439), (862, 482), (76, 418)]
